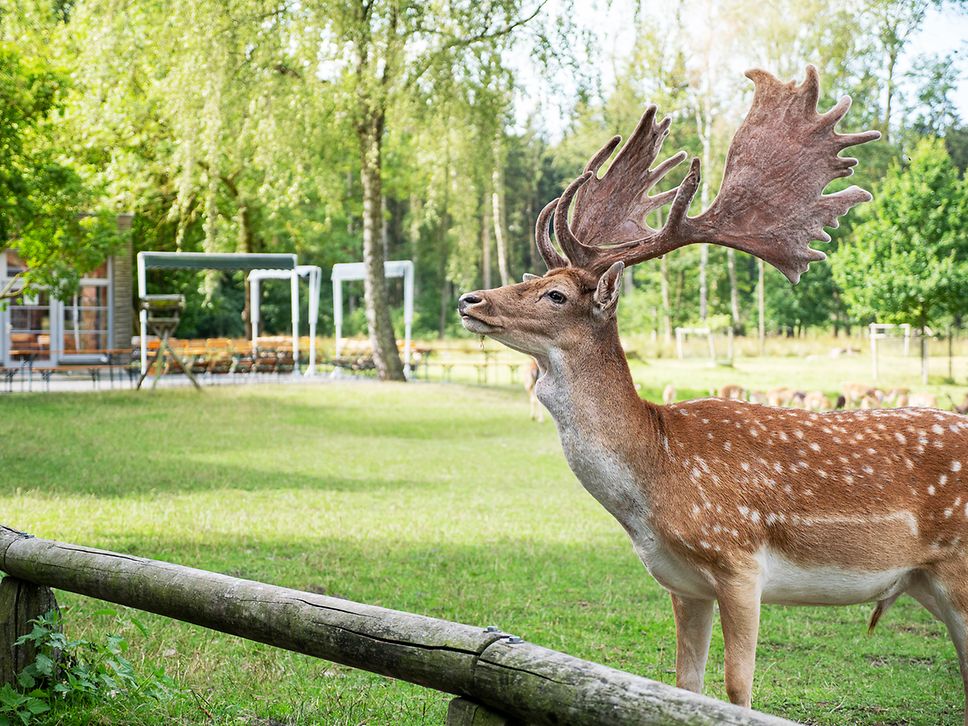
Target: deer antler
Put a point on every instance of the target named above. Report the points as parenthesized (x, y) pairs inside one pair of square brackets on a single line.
[(771, 202)]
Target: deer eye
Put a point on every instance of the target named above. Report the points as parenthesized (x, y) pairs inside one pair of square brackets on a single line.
[(556, 297)]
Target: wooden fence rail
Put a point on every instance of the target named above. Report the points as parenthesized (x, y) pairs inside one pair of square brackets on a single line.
[(502, 679)]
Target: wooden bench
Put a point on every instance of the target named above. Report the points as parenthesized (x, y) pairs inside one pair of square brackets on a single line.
[(93, 370)]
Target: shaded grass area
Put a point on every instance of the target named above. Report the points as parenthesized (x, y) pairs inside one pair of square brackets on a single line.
[(440, 500)]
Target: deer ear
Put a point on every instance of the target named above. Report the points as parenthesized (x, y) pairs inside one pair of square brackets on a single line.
[(527, 277), (609, 286)]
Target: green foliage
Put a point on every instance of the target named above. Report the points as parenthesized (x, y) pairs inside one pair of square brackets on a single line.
[(247, 136), (69, 673), (42, 200), (908, 261)]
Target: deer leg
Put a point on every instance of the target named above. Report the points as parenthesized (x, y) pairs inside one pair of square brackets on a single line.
[(739, 613), (948, 588), (694, 624)]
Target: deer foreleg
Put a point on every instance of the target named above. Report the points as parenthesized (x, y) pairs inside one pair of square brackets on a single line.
[(739, 612), (694, 624)]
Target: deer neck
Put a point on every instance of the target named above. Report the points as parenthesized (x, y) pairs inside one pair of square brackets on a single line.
[(611, 437), (590, 388)]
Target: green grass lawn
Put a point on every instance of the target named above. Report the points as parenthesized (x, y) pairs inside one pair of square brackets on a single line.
[(440, 500)]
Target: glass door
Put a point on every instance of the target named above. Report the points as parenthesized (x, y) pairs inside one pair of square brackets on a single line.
[(86, 321)]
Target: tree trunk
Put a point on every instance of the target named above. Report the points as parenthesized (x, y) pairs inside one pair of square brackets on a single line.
[(924, 356), (486, 244), (666, 307), (497, 209), (386, 357), (703, 284), (445, 308), (385, 226), (705, 127), (761, 303), (891, 63), (733, 291), (534, 257), (246, 244)]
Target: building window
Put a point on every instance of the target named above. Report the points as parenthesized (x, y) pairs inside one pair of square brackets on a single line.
[(29, 326)]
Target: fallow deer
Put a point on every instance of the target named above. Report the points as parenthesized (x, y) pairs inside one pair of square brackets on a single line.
[(816, 401), (732, 390), (963, 408), (530, 382), (923, 400), (669, 394), (723, 500)]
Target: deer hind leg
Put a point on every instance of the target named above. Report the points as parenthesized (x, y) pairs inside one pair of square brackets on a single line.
[(739, 613), (944, 593), (694, 626), (537, 411)]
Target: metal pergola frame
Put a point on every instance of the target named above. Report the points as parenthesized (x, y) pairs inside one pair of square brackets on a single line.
[(217, 261), (350, 271), (313, 275)]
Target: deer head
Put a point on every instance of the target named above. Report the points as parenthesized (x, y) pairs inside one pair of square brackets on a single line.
[(771, 204)]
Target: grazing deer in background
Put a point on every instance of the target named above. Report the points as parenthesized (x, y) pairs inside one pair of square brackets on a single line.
[(816, 401), (723, 500), (855, 393), (733, 391), (963, 408), (669, 394), (537, 410)]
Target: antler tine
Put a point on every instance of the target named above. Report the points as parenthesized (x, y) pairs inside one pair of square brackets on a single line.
[(542, 238), (685, 193), (862, 137), (595, 163), (570, 244)]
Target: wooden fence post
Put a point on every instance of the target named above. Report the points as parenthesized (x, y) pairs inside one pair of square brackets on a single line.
[(20, 602)]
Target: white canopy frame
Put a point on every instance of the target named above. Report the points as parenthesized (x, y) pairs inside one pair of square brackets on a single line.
[(350, 271), (313, 275), (217, 261)]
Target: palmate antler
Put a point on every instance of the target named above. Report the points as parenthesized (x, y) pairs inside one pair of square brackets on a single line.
[(771, 202)]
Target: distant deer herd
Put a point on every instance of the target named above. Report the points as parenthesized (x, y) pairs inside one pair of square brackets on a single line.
[(852, 396)]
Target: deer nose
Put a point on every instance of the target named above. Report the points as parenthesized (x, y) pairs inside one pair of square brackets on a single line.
[(468, 299)]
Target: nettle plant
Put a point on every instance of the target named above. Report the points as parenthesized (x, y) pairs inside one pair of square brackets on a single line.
[(68, 672)]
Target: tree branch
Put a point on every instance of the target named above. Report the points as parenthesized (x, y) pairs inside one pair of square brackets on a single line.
[(462, 42), (8, 292)]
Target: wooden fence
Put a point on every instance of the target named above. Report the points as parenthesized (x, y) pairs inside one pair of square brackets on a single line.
[(498, 678)]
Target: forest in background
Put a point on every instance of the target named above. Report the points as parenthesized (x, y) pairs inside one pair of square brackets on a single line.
[(388, 129)]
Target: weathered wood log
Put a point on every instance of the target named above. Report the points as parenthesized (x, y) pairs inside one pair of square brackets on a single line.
[(20, 602), (525, 681), (462, 712)]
